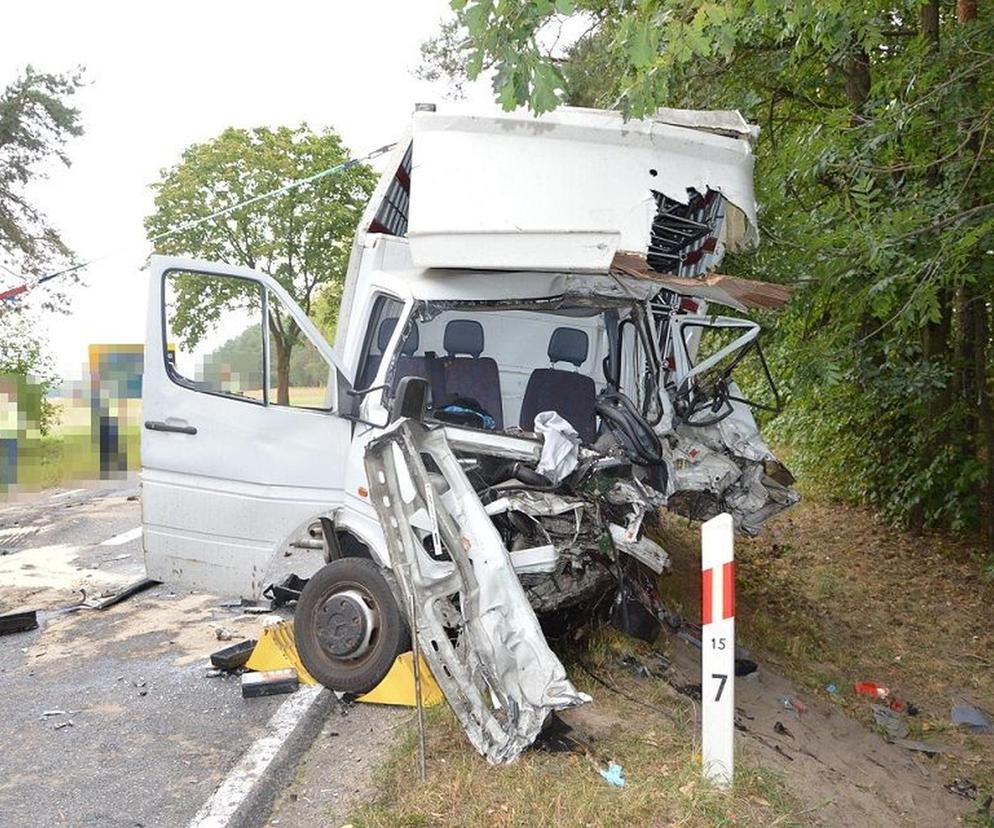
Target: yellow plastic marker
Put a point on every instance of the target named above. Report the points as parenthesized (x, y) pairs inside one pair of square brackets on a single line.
[(397, 686), (276, 650)]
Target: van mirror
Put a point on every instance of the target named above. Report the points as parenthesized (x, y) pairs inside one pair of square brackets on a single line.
[(411, 399)]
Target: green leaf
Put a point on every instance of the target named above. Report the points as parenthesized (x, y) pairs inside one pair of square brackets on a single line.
[(643, 43), (565, 6)]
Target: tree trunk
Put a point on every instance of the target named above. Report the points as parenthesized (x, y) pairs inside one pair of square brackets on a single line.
[(966, 10), (929, 18), (985, 411), (283, 351), (977, 318)]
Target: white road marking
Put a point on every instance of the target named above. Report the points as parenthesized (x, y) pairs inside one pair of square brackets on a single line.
[(124, 537), (224, 802)]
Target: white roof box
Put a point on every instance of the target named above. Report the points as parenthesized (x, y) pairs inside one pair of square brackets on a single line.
[(567, 190)]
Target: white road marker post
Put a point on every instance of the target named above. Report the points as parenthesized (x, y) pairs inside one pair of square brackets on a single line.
[(718, 650)]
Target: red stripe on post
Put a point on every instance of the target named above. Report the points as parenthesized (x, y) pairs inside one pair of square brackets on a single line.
[(10, 294), (728, 590), (706, 595)]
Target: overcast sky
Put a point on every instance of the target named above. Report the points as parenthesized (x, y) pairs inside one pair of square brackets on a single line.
[(162, 76)]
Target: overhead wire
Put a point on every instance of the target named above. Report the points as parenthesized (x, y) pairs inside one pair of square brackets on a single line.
[(29, 284)]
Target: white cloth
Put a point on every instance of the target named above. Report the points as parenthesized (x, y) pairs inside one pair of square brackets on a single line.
[(560, 448)]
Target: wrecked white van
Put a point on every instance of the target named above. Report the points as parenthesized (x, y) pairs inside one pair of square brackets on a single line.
[(524, 369)]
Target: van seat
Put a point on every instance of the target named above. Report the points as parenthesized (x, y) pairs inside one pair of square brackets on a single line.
[(465, 373), (570, 394)]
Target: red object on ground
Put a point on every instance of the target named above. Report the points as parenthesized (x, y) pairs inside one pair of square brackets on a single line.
[(873, 691)]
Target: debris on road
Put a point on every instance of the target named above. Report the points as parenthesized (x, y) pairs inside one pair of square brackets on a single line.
[(233, 657), (285, 592), (122, 595), (66, 723), (970, 717), (269, 683), (277, 649), (16, 622)]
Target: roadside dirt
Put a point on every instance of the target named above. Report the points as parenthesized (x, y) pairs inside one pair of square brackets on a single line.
[(338, 772), (831, 596)]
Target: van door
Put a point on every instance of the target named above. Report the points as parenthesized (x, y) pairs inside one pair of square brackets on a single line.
[(242, 445)]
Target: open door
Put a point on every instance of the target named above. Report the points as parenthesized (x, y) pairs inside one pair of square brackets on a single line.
[(242, 445)]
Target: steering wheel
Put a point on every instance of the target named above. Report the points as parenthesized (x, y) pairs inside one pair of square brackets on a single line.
[(632, 431), (710, 394)]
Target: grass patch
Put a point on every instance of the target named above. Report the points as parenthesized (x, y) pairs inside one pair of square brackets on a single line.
[(659, 755)]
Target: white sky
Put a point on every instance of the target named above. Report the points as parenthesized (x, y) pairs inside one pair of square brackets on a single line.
[(162, 76)]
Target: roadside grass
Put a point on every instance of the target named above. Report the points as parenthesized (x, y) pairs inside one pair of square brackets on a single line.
[(829, 594), (649, 731)]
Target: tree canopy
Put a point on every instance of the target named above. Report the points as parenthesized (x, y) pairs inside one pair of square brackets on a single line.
[(301, 238), (875, 177)]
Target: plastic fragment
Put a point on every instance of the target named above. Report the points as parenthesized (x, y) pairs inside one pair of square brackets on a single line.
[(871, 690), (966, 715), (613, 774), (890, 721)]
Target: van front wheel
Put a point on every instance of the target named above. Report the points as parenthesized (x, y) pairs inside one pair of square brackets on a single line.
[(348, 627)]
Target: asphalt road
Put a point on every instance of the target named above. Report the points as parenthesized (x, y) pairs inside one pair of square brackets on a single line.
[(151, 735)]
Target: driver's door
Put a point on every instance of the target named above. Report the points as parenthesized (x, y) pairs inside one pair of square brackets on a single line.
[(234, 460)]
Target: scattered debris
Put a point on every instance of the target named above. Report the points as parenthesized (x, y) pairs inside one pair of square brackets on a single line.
[(118, 597), (962, 787), (233, 657), (919, 746), (16, 622), (555, 737), (215, 673), (46, 713), (779, 727), (613, 774), (970, 717), (892, 722), (269, 683), (222, 634), (795, 706), (66, 723), (638, 669), (286, 592), (277, 650), (832, 689), (871, 690)]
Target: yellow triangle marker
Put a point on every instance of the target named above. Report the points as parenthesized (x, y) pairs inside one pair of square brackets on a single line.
[(397, 686), (276, 650)]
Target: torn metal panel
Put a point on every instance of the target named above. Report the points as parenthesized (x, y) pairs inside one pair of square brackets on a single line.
[(731, 291), (477, 629)]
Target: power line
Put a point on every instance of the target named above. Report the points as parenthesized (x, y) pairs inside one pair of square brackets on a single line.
[(189, 225)]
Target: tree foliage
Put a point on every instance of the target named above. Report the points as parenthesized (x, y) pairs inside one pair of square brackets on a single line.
[(301, 238), (36, 122), (875, 176)]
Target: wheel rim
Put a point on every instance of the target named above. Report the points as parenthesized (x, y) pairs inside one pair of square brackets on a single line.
[(347, 624)]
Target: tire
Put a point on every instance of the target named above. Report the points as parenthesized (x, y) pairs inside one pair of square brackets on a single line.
[(389, 636)]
